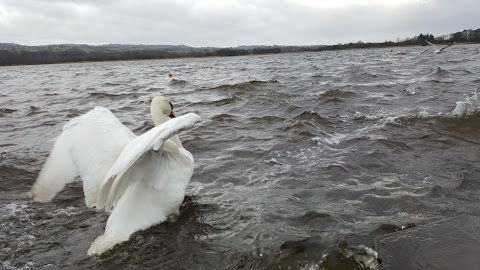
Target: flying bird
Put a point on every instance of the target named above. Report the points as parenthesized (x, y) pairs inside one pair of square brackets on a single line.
[(436, 50), (140, 179)]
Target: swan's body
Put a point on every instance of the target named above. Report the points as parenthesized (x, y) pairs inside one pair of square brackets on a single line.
[(143, 178)]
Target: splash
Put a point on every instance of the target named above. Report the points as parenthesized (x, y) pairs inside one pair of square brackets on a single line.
[(469, 106), (347, 257), (412, 90)]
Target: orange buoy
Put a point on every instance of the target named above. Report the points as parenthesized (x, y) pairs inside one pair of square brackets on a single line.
[(170, 74)]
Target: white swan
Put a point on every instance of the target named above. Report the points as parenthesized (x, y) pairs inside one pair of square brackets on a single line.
[(142, 178)]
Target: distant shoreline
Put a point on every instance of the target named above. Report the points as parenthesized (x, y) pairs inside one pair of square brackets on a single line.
[(18, 55)]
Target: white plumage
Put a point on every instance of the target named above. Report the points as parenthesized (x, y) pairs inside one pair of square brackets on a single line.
[(142, 178)]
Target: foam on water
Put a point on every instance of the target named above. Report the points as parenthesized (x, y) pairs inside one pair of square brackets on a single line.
[(412, 90), (469, 106), (12, 214), (361, 256), (14, 208), (69, 211), (8, 265)]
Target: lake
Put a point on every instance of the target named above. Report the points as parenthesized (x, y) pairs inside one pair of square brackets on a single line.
[(301, 159)]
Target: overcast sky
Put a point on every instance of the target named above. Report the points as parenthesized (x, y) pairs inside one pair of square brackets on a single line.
[(225, 23)]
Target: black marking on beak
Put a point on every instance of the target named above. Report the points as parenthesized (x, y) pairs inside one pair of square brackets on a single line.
[(172, 113)]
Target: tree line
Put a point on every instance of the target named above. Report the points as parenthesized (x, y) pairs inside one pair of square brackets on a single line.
[(472, 36), (14, 54), (26, 56)]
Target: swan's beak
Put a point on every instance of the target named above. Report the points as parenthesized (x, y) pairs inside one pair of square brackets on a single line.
[(173, 114)]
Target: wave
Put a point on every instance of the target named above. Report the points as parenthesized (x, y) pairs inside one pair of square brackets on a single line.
[(144, 127), (177, 82), (314, 68), (109, 84), (469, 106), (363, 76), (439, 72), (320, 76), (319, 219), (313, 117), (221, 102), (267, 119), (335, 95), (307, 124), (4, 111), (313, 253), (224, 118), (33, 110), (109, 95), (463, 72), (245, 86), (13, 177), (109, 74), (412, 90), (71, 113), (154, 89)]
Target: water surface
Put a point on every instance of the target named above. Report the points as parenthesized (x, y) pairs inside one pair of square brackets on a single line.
[(301, 159)]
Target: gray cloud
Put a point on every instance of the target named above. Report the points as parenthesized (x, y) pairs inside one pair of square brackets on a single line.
[(225, 23)]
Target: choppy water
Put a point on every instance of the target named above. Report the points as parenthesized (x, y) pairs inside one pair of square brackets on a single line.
[(301, 159)]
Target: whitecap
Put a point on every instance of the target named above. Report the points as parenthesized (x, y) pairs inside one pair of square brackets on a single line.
[(469, 106), (411, 90), (423, 114), (333, 139), (14, 208), (8, 266)]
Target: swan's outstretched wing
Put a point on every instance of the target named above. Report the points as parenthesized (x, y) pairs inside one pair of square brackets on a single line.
[(114, 183), (87, 147)]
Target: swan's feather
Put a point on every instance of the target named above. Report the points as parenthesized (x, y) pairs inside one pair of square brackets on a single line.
[(87, 147), (115, 182)]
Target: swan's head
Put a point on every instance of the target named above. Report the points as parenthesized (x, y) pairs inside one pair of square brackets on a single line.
[(161, 109)]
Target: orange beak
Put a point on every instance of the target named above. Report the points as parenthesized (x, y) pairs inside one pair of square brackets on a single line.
[(173, 114)]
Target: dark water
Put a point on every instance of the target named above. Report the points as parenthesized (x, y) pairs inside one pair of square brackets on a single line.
[(301, 159)]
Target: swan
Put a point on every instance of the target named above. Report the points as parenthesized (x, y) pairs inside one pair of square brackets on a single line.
[(141, 180)]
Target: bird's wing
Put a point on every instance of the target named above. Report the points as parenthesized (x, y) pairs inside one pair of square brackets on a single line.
[(87, 147), (114, 183), (424, 51), (447, 46), (431, 43)]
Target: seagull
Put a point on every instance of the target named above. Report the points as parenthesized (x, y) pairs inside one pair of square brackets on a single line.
[(436, 48), (424, 51)]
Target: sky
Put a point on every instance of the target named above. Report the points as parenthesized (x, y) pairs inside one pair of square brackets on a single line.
[(230, 23)]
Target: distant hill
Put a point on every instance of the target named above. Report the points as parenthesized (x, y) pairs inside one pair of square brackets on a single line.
[(16, 54)]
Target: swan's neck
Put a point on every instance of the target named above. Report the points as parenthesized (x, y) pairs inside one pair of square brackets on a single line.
[(176, 140), (159, 118)]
